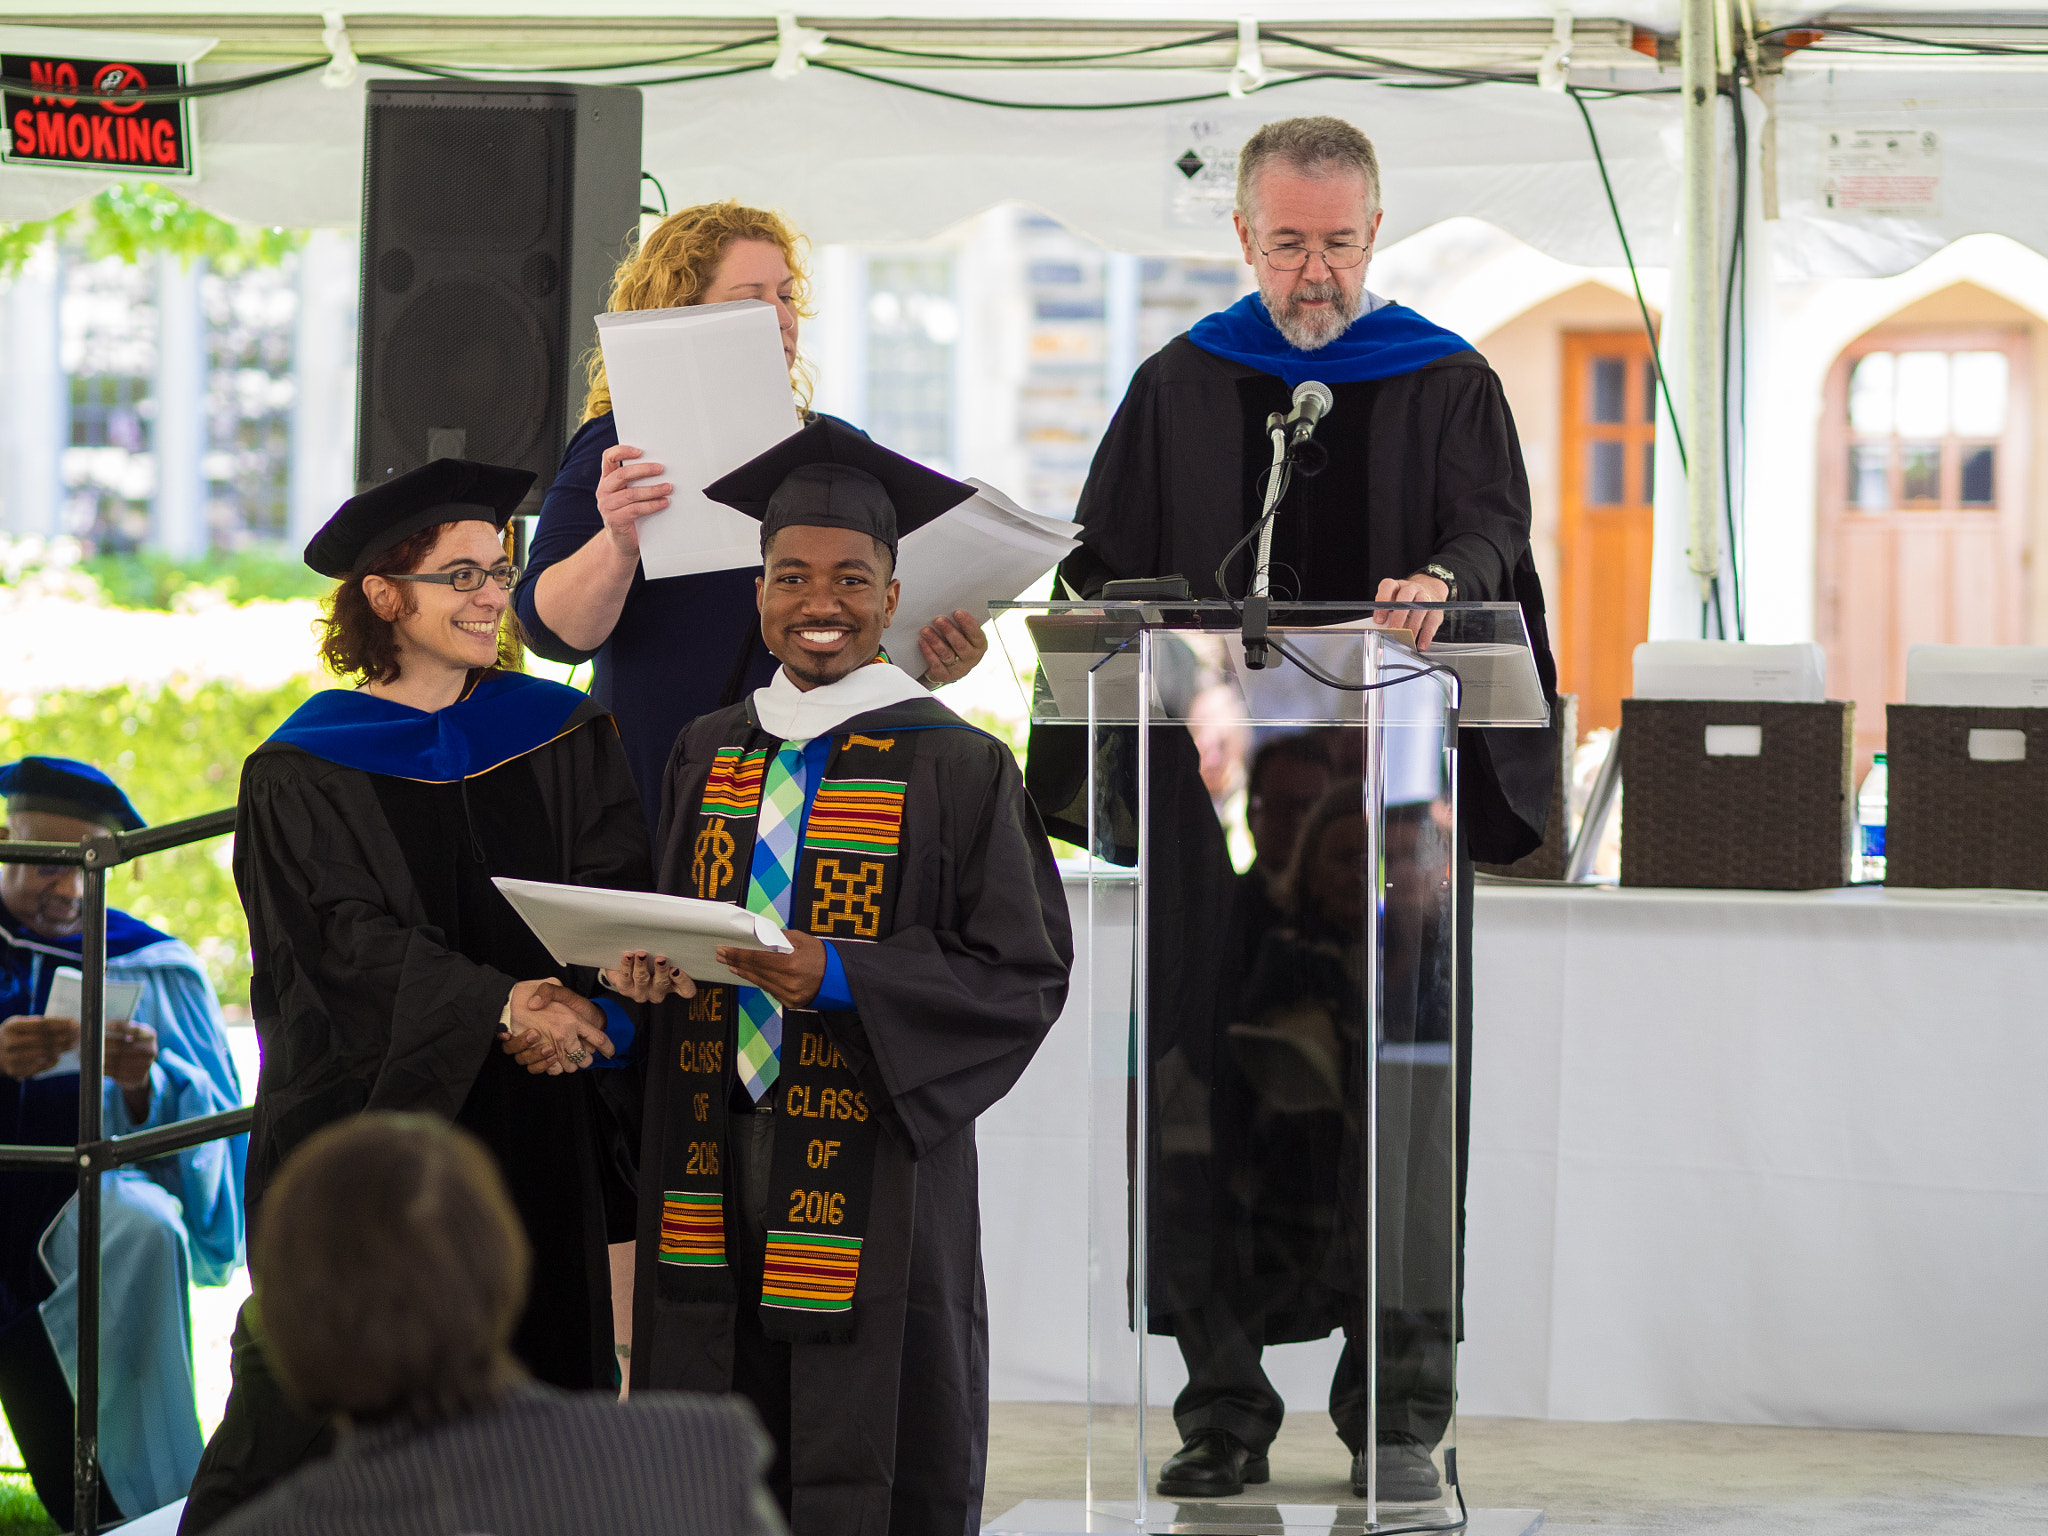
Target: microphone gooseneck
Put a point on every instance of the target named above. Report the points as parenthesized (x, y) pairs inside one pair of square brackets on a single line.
[(1291, 435)]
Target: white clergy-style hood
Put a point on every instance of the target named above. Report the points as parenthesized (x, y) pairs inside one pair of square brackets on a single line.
[(796, 715)]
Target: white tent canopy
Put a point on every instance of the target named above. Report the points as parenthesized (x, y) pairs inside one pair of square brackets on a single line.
[(857, 160), (876, 157)]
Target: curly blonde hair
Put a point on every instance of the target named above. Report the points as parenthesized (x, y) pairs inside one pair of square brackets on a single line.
[(675, 263)]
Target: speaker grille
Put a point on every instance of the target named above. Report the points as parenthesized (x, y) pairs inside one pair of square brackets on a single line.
[(469, 354), (482, 178), (466, 237)]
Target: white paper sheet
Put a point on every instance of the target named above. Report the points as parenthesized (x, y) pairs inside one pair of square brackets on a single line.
[(699, 391), (2002, 676), (987, 549), (1730, 669), (581, 925), (67, 1001)]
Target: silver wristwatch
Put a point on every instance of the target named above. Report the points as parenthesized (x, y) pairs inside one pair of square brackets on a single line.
[(1445, 575)]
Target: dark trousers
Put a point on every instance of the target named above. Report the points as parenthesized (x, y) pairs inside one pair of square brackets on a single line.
[(760, 1365), (262, 1437), (37, 1401), (1228, 1388)]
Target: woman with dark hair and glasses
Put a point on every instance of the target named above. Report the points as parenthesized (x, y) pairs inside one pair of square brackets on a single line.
[(388, 971)]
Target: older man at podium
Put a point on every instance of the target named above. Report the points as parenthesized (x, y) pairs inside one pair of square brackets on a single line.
[(1423, 499)]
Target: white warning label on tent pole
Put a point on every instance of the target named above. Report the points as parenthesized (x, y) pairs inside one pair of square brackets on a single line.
[(1201, 169), (1881, 170)]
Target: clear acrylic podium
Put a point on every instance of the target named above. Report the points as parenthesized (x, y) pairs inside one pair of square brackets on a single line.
[(1273, 1049)]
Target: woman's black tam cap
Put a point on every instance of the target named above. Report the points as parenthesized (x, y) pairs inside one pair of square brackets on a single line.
[(830, 476), (445, 491)]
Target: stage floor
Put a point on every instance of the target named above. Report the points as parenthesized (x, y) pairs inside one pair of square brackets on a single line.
[(1630, 1479)]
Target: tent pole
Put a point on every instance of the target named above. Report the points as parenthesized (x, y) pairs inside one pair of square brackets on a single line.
[(1698, 56)]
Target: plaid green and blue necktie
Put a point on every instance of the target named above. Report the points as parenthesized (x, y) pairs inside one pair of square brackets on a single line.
[(768, 891)]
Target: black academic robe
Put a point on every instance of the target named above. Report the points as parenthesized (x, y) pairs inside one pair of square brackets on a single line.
[(1423, 467), (383, 956), (889, 1432)]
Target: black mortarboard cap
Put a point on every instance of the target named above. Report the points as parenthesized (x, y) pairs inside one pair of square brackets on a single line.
[(445, 491), (62, 786), (830, 476)]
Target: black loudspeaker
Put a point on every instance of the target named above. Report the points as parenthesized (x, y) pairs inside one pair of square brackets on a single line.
[(494, 213)]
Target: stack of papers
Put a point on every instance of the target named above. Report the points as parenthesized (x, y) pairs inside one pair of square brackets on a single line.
[(1729, 669), (987, 549), (67, 1001), (700, 391), (583, 925), (2001, 676)]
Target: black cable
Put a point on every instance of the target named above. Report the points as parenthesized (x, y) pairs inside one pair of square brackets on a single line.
[(1071, 106), (1988, 50), (650, 176), (1736, 256), (1068, 58), (158, 92), (710, 51), (1621, 232)]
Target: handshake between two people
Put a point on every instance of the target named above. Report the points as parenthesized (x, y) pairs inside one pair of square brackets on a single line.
[(555, 1030)]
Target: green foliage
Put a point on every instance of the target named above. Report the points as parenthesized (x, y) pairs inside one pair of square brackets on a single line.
[(21, 1512), (147, 579), (134, 219), (178, 752)]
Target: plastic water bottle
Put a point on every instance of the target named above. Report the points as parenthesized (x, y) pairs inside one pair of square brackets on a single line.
[(1870, 815)]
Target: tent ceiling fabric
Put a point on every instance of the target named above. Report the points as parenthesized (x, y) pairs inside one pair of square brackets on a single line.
[(856, 160)]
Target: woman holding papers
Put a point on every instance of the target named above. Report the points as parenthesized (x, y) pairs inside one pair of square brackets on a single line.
[(387, 966), (667, 651)]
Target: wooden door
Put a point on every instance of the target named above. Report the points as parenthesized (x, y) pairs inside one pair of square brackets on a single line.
[(1606, 469), (1922, 507)]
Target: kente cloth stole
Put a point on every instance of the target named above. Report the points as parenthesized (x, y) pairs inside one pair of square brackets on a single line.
[(847, 872)]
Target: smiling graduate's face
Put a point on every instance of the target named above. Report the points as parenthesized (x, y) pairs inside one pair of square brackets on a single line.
[(826, 597), (447, 629)]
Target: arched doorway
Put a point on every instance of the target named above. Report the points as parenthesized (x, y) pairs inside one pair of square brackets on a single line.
[(1923, 503)]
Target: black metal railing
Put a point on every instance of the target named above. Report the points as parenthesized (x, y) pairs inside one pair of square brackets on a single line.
[(96, 1153)]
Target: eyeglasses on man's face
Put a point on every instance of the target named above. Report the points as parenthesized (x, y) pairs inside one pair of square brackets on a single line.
[(1292, 256), (467, 578)]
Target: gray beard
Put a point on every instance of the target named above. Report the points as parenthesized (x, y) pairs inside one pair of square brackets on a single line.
[(1306, 331)]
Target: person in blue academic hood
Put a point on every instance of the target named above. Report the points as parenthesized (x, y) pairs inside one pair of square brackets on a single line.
[(388, 971), (1423, 498), (166, 1225)]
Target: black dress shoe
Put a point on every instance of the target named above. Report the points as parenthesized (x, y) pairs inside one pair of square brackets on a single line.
[(1407, 1475), (1211, 1464)]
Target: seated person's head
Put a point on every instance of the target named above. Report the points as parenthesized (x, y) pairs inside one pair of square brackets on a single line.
[(390, 1270), (55, 800)]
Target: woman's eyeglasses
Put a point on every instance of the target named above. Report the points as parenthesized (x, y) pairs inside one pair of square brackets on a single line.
[(469, 578)]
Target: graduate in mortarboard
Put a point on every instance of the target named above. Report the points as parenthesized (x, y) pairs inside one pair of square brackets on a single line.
[(388, 971), (809, 1221), (165, 1225)]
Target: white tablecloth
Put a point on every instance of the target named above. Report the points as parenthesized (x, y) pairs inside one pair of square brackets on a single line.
[(1760, 1158), (1741, 1157)]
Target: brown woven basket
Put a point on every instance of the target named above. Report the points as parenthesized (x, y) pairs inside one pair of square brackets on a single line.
[(1547, 862), (1779, 821), (1952, 822)]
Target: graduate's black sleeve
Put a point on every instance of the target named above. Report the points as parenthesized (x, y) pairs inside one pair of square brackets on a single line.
[(360, 986), (952, 1008), (1482, 514)]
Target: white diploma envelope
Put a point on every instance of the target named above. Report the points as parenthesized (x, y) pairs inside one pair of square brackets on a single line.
[(987, 549), (67, 1001), (583, 925), (700, 391)]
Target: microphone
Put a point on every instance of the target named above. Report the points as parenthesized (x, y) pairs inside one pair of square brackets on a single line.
[(1312, 402)]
